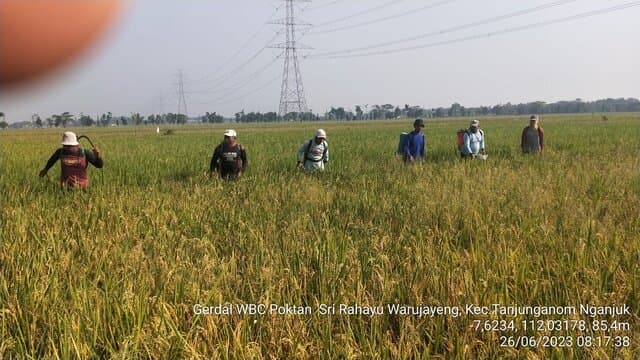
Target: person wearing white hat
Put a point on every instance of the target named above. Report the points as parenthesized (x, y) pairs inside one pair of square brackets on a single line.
[(532, 138), (313, 154), (229, 157), (473, 141), (73, 162)]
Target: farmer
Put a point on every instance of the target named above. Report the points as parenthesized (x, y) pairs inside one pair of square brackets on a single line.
[(473, 141), (313, 154), (229, 157), (73, 162), (414, 143), (532, 139)]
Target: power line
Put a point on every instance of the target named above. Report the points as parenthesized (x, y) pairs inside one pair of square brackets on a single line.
[(322, 5), (451, 29), (405, 13), (253, 91), (217, 102), (253, 76), (227, 76), (242, 47), (498, 32), (350, 17), (250, 77), (301, 9)]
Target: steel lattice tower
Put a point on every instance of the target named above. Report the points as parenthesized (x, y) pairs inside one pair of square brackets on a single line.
[(292, 97), (182, 101)]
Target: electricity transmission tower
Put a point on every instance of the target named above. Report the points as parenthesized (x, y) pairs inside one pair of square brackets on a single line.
[(292, 97), (182, 102)]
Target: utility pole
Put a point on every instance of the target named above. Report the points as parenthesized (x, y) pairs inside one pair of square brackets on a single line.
[(292, 97), (182, 102)]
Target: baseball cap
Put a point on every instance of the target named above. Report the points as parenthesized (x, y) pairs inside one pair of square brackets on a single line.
[(321, 134), (533, 117), (69, 138), (230, 133), (475, 123), (418, 122)]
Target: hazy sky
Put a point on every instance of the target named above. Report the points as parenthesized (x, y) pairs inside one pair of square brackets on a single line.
[(134, 68)]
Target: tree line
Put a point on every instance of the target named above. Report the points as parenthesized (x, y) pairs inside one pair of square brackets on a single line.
[(360, 112), (388, 111), (107, 119)]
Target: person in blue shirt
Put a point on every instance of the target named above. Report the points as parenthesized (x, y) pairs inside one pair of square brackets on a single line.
[(414, 146), (473, 142)]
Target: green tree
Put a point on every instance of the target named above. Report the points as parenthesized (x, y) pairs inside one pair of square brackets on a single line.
[(137, 118), (65, 118), (37, 121), (239, 116), (57, 120), (415, 112), (86, 120), (388, 111), (376, 112), (270, 116), (212, 118), (105, 119), (292, 116), (455, 110), (358, 112), (337, 113)]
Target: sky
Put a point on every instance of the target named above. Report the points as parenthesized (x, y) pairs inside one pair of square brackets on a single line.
[(466, 51)]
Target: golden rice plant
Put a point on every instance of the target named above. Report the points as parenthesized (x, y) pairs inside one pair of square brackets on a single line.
[(116, 271)]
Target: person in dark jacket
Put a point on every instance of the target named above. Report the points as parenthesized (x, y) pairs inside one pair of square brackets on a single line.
[(73, 162), (532, 138), (229, 157), (414, 147)]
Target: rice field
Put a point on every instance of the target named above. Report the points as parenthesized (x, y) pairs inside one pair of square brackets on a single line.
[(138, 266)]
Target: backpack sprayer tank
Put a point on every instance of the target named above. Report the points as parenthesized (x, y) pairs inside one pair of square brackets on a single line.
[(403, 139), (460, 139)]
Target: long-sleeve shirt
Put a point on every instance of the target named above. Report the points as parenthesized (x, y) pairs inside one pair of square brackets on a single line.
[(73, 165), (89, 155), (473, 142), (313, 155), (532, 139), (415, 145)]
